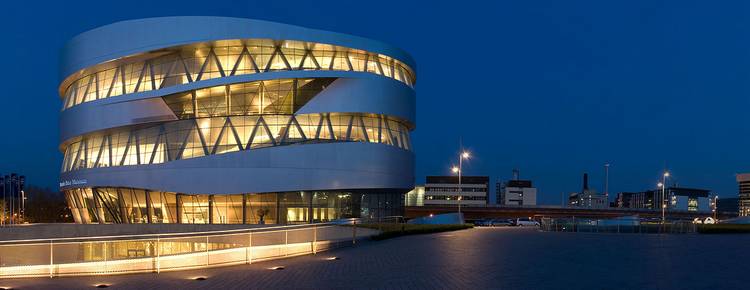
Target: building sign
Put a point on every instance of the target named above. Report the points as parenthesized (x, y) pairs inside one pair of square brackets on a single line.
[(72, 182)]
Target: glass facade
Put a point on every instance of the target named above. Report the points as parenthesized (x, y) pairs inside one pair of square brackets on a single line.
[(127, 205), (200, 137), (280, 96), (202, 61)]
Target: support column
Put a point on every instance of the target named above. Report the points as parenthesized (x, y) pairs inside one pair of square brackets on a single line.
[(97, 206), (178, 201), (149, 207), (278, 208), (123, 208), (210, 208), (244, 208), (310, 207)]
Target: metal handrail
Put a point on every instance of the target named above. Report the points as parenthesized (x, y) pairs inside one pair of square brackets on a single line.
[(146, 236)]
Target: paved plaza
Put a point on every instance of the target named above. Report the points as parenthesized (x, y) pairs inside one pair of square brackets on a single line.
[(482, 258)]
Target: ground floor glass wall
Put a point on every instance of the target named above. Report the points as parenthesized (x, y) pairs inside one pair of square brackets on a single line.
[(127, 205)]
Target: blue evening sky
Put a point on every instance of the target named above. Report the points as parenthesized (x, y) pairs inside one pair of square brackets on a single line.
[(554, 88)]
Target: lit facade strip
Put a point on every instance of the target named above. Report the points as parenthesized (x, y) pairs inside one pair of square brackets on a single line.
[(196, 62), (105, 205), (200, 137)]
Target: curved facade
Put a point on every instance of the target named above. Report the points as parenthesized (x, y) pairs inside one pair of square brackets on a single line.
[(227, 120)]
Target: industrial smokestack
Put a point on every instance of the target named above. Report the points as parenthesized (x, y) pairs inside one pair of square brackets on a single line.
[(585, 181)]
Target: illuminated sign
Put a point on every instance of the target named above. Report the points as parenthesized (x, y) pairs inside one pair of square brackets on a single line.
[(72, 182)]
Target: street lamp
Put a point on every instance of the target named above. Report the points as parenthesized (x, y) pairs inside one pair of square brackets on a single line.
[(663, 185), (461, 156), (716, 207)]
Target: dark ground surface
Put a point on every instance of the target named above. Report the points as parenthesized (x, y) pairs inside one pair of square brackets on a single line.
[(482, 258)]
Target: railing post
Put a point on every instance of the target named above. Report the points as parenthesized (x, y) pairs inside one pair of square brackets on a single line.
[(286, 242), (104, 245), (207, 261), (354, 233), (158, 255), (315, 239), (251, 247), (575, 228), (51, 260)]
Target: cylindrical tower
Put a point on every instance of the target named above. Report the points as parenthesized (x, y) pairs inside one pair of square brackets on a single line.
[(228, 120)]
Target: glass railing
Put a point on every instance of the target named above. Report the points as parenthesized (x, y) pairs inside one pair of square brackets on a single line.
[(109, 255)]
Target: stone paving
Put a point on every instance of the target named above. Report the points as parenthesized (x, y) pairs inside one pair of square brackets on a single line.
[(483, 258)]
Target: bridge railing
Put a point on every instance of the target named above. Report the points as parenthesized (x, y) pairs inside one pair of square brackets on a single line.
[(108, 255)]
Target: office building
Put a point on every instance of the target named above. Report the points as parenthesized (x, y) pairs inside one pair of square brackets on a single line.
[(743, 182), (228, 120), (678, 198), (445, 190), (516, 191), (728, 206), (588, 197), (624, 199)]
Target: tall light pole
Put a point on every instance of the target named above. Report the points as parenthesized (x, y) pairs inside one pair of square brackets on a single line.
[(606, 182), (716, 207), (461, 156), (663, 185)]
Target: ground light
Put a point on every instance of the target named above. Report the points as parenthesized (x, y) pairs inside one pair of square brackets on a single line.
[(199, 278), (277, 268), (102, 285), (6, 288), (333, 258)]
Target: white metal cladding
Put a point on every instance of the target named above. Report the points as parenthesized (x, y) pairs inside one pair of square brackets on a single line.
[(324, 166)]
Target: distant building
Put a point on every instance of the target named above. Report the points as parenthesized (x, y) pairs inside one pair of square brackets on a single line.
[(415, 197), (728, 206), (678, 198), (743, 181), (516, 191), (588, 197), (444, 190), (624, 199)]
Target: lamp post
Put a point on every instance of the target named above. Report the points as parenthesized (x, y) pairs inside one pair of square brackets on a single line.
[(461, 156), (716, 207), (663, 185)]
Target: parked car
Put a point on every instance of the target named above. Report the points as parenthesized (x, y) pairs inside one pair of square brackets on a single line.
[(500, 222), (483, 222), (525, 222)]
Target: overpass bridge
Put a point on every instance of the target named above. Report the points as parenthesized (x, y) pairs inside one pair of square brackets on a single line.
[(500, 211)]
